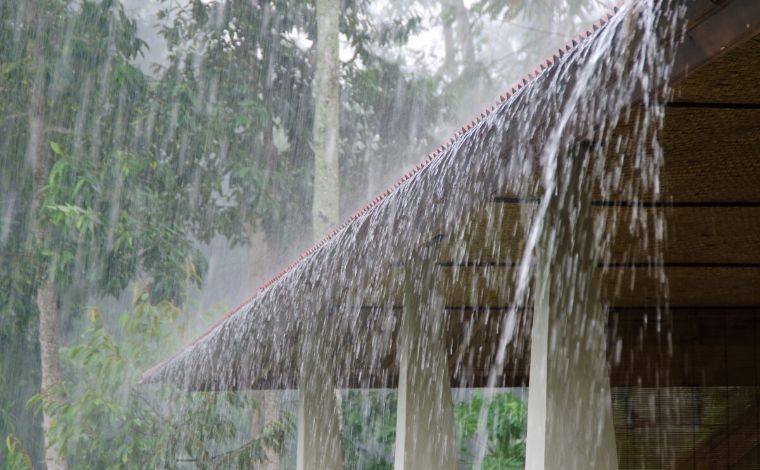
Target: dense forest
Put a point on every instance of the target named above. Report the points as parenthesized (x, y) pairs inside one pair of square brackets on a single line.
[(146, 146)]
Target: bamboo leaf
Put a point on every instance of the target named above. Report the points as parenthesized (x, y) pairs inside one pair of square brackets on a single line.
[(56, 148)]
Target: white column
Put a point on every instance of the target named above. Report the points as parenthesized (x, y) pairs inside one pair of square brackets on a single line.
[(569, 401), (319, 443), (425, 412)]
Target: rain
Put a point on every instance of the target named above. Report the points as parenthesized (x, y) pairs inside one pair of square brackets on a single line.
[(429, 234)]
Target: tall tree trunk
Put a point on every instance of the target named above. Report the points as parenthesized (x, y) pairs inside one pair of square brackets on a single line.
[(47, 297), (47, 304), (464, 32), (457, 38), (325, 208), (449, 67)]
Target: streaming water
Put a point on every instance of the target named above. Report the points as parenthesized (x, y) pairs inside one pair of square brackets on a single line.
[(540, 206), (605, 96)]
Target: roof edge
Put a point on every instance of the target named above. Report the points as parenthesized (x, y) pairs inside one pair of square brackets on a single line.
[(569, 46)]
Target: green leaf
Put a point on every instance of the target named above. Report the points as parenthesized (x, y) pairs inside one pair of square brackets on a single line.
[(56, 148)]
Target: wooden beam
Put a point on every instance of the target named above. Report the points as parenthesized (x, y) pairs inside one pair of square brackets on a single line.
[(711, 105), (714, 232), (714, 32)]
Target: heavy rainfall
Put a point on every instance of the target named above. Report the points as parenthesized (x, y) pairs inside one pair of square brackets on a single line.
[(254, 234)]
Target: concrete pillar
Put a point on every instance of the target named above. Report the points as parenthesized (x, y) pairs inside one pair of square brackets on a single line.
[(425, 412), (569, 401), (319, 443)]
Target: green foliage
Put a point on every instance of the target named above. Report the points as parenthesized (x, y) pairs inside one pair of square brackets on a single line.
[(109, 204), (16, 457), (369, 429), (250, 100), (506, 424), (108, 421), (20, 381), (140, 169), (100, 227)]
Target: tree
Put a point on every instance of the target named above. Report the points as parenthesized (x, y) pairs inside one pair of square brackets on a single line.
[(248, 69), (325, 205), (368, 428), (506, 426), (109, 421), (46, 296), (89, 202), (114, 177), (369, 419)]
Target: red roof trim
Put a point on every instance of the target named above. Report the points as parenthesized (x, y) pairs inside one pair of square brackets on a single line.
[(570, 45)]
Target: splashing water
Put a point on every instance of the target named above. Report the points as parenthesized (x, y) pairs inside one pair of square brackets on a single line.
[(343, 298), (600, 88)]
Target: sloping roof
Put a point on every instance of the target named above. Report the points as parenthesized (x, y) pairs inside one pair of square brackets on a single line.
[(254, 345)]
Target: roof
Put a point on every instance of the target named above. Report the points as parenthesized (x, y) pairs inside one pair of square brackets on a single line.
[(454, 187)]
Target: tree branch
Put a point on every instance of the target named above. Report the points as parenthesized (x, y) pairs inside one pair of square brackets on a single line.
[(59, 130)]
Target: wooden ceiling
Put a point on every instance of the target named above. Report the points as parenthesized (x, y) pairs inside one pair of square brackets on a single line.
[(710, 202)]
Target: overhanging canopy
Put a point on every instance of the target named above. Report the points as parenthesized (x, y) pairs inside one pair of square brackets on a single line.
[(464, 200)]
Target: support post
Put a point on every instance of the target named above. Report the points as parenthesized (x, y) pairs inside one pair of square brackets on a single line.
[(319, 442), (569, 401), (425, 411)]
